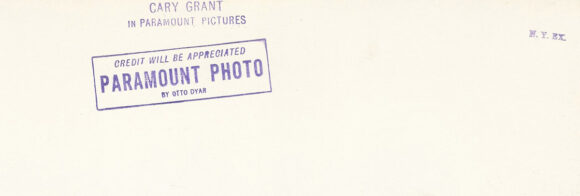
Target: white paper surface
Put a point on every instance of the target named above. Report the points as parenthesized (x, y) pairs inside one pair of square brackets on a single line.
[(367, 98)]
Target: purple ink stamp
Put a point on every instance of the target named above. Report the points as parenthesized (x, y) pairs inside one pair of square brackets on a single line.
[(181, 74)]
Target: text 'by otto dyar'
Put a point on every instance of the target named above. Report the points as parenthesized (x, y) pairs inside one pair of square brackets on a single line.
[(181, 74)]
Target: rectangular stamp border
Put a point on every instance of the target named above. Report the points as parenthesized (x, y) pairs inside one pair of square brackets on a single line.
[(159, 103)]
